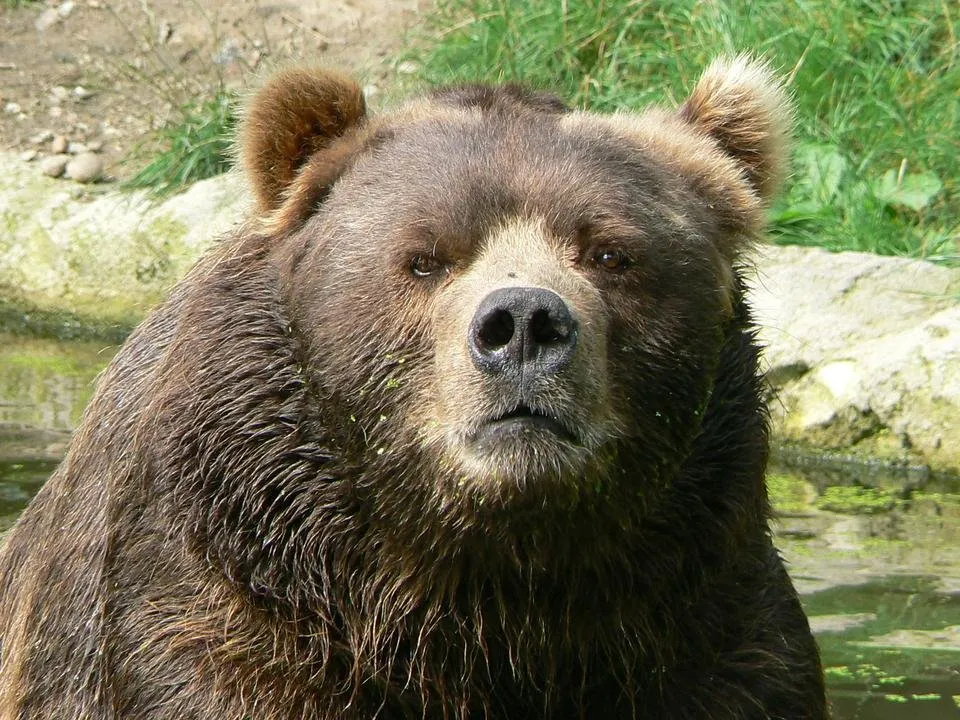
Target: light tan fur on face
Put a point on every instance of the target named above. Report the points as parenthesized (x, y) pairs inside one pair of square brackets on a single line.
[(521, 253)]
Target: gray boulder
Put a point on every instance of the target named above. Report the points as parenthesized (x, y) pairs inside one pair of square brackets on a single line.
[(863, 353)]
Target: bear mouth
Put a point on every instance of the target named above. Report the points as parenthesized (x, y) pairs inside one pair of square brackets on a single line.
[(522, 421)]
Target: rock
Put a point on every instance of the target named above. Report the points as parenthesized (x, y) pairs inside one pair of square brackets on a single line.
[(59, 144), (41, 137), (54, 165), (65, 9), (58, 94), (12, 108), (76, 148), (863, 353), (109, 255), (822, 624), (408, 67), (85, 167), (47, 18), (28, 155), (228, 53), (81, 93), (164, 32), (95, 145)]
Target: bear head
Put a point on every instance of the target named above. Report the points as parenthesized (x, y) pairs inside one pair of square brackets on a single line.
[(507, 300)]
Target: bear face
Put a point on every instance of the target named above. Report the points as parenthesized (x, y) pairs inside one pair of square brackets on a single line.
[(530, 292)]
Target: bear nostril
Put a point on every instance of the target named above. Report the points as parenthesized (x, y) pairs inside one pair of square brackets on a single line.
[(497, 330), (545, 330)]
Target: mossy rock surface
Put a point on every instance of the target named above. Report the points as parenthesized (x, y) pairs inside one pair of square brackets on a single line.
[(100, 253)]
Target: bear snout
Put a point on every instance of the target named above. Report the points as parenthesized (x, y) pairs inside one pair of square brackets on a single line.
[(522, 332)]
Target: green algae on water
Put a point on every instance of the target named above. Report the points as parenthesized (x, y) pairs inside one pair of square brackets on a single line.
[(855, 500)]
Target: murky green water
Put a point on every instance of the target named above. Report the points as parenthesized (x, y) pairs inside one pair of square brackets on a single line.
[(875, 556), (876, 559)]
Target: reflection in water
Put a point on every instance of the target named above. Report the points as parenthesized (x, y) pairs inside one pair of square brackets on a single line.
[(19, 481), (46, 383), (901, 659), (879, 573), (878, 567)]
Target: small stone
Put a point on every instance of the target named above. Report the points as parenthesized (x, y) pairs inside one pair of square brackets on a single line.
[(59, 92), (41, 137), (65, 9), (95, 145), (370, 91), (48, 17), (408, 67), (54, 165), (28, 155), (12, 108), (85, 168), (59, 145), (164, 31), (77, 148), (81, 93), (228, 53)]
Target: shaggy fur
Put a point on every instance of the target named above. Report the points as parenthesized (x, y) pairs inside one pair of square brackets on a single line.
[(298, 116), (298, 494)]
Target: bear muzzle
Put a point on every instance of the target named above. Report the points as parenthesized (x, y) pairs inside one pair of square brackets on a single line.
[(520, 336)]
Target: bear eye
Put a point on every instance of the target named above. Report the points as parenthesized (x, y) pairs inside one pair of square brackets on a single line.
[(425, 265), (611, 260)]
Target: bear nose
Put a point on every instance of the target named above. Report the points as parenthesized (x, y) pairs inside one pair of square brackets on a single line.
[(518, 329)]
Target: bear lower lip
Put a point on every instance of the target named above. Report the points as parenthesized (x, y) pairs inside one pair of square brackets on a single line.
[(520, 425)]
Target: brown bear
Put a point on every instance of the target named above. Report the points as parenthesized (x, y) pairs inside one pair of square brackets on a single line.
[(465, 423)]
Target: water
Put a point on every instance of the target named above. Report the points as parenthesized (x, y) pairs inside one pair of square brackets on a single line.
[(878, 570), (875, 557), (19, 481)]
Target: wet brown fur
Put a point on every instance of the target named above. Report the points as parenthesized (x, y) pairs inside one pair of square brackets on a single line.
[(274, 507), (298, 113)]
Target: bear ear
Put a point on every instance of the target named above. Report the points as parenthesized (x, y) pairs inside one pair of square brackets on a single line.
[(298, 121), (741, 105)]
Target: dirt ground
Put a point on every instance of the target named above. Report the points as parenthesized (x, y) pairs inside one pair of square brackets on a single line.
[(103, 73)]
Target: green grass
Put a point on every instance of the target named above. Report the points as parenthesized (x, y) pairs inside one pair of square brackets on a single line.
[(876, 83), (195, 147)]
